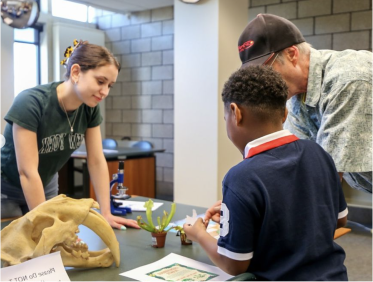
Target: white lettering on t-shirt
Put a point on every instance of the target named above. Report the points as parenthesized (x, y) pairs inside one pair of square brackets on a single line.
[(52, 143), (55, 142), (75, 140)]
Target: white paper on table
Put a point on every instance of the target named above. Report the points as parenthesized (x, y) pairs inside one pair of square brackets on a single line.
[(44, 268), (213, 228), (110, 151), (193, 219), (189, 268), (137, 206), (80, 153)]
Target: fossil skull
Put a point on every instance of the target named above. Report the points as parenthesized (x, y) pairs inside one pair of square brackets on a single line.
[(52, 226)]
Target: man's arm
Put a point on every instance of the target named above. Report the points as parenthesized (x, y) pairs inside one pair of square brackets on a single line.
[(198, 233), (299, 124), (345, 131)]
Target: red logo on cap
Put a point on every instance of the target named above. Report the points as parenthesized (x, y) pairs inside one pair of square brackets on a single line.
[(245, 46)]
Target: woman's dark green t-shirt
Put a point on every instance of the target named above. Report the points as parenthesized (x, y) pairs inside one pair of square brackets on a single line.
[(38, 110)]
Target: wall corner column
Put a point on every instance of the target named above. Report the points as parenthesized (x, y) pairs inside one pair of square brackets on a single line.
[(206, 36)]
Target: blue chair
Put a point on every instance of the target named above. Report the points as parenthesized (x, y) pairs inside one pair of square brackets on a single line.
[(142, 145), (109, 143), (127, 142)]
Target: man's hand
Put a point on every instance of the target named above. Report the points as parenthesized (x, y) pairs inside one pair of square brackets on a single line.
[(194, 231), (213, 213)]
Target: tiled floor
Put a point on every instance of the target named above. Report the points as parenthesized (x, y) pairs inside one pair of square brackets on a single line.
[(358, 247)]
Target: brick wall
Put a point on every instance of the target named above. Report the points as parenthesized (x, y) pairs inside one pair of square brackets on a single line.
[(141, 104), (326, 24)]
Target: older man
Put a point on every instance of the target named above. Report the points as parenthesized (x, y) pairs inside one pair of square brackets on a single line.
[(330, 93)]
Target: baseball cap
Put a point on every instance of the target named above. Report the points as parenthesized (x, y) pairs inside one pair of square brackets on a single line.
[(264, 36)]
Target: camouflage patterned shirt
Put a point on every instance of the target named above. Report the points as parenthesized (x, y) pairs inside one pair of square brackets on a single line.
[(337, 111)]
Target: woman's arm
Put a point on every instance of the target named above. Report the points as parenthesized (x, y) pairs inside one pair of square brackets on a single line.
[(99, 174), (26, 147)]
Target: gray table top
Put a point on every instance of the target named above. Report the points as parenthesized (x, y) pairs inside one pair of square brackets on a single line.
[(135, 246)]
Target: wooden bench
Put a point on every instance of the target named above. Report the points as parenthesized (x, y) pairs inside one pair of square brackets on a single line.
[(340, 232)]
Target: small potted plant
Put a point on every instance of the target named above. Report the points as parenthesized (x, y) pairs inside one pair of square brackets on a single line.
[(183, 237), (158, 232)]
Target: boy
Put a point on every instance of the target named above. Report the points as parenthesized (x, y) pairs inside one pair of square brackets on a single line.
[(283, 202)]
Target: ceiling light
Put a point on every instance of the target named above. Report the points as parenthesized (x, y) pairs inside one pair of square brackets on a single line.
[(190, 1)]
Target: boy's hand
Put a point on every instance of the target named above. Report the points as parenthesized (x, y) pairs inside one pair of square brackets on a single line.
[(213, 213), (193, 231)]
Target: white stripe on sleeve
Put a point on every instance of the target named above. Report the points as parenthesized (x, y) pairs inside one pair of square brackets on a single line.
[(235, 256), (342, 214)]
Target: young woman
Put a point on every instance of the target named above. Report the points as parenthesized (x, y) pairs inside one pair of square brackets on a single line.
[(47, 123)]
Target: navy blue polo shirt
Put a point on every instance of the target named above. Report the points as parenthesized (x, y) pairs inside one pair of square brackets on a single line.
[(280, 209)]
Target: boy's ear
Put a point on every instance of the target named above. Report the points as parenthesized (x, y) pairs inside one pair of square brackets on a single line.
[(285, 115), (236, 112)]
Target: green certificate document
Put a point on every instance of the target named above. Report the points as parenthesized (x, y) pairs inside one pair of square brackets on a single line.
[(175, 267), (179, 272)]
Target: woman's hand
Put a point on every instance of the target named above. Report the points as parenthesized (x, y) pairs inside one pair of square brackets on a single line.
[(120, 222)]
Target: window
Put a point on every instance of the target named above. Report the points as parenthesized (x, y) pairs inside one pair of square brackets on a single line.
[(69, 10), (26, 59), (76, 11)]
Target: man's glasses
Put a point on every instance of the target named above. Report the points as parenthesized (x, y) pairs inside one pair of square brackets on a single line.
[(265, 64)]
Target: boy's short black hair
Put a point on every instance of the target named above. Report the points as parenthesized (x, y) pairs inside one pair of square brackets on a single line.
[(258, 87)]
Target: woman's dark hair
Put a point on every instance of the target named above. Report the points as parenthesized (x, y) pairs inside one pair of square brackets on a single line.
[(90, 56), (258, 87)]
